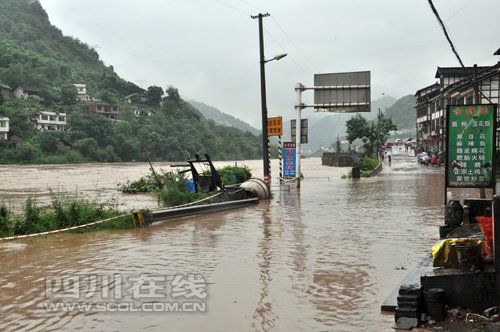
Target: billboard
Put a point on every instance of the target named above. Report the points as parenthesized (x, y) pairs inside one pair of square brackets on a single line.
[(342, 92), (470, 134)]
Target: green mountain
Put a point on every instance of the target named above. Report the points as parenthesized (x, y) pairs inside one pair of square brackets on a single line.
[(403, 112), (35, 54), (222, 118)]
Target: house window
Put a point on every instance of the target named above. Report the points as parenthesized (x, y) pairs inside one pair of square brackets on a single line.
[(62, 118), (53, 118), (3, 124), (45, 117)]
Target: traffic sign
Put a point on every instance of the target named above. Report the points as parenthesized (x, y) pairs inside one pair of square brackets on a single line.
[(274, 126)]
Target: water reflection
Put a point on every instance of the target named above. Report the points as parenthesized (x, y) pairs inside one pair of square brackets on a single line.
[(263, 312)]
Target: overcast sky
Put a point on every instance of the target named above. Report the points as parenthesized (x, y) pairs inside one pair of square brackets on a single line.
[(209, 49)]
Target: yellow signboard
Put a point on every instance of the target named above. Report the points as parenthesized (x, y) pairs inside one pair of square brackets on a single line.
[(274, 126)]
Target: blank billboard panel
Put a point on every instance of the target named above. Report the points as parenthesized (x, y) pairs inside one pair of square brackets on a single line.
[(342, 92)]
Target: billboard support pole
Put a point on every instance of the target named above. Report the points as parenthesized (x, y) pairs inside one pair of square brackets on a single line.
[(298, 129)]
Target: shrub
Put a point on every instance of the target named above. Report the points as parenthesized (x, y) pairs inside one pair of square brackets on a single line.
[(5, 221), (234, 174)]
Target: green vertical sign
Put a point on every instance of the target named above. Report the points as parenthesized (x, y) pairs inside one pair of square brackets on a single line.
[(471, 146)]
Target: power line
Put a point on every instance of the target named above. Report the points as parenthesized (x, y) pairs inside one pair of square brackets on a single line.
[(459, 10), (250, 5), (269, 34), (472, 80), (233, 8), (446, 33), (294, 44), (291, 56)]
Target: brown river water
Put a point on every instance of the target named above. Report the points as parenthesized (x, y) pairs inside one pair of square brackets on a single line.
[(322, 258)]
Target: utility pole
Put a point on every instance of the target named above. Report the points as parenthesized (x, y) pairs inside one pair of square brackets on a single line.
[(265, 143)]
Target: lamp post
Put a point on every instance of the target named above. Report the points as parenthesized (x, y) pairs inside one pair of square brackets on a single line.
[(263, 61)]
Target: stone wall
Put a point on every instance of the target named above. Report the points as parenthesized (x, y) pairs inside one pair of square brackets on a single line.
[(342, 159)]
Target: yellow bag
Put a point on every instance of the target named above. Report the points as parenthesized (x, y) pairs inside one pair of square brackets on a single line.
[(444, 255)]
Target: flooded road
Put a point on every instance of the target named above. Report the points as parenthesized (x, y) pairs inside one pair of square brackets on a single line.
[(320, 259)]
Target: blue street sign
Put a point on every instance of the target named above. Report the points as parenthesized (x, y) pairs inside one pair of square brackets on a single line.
[(290, 164)]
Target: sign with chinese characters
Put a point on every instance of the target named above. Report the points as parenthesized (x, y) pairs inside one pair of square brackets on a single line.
[(290, 155), (274, 126), (470, 136)]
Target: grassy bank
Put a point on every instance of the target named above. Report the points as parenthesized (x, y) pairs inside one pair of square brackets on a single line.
[(66, 210)]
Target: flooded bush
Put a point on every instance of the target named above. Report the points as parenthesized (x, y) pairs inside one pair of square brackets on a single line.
[(66, 210), (145, 184), (234, 174), (366, 165), (5, 221), (35, 220), (175, 192)]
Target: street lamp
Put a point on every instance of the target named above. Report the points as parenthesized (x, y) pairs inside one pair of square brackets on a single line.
[(265, 143), (277, 57)]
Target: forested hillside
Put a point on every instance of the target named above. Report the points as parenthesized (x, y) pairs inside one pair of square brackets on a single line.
[(33, 53), (403, 112)]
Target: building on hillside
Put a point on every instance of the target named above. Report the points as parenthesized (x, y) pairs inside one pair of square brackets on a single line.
[(137, 112), (138, 97), (6, 91), (82, 92), (26, 92), (4, 128), (50, 121), (455, 87), (15, 140), (111, 112), (61, 143)]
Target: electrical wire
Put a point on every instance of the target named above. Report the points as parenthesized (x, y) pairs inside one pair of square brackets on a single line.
[(443, 27), (233, 8), (272, 37), (291, 56), (250, 5), (446, 34), (294, 44), (458, 11)]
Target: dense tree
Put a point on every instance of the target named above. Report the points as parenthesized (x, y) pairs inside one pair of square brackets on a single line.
[(68, 94), (372, 133), (155, 93)]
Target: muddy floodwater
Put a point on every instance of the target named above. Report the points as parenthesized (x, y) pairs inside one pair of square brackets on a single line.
[(320, 259)]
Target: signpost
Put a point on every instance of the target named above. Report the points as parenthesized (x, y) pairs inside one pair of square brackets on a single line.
[(304, 138), (336, 92), (275, 126), (470, 134), (289, 152)]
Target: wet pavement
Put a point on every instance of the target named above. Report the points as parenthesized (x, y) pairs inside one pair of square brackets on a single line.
[(320, 259)]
